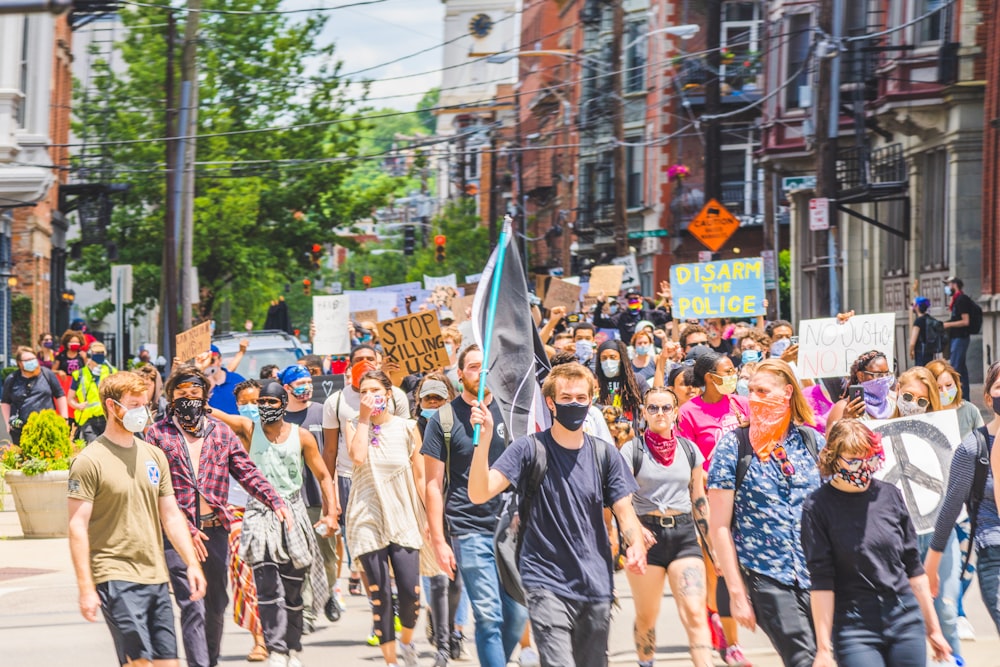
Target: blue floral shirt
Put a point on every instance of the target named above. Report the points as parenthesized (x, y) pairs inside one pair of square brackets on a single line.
[(767, 511)]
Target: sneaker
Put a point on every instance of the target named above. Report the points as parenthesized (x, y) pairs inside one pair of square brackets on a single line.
[(373, 639), (396, 623), (354, 586), (409, 654), (339, 594), (734, 657), (965, 629), (332, 609), (718, 634), (308, 626), (457, 645), (441, 659), (277, 660), (528, 657), (293, 659)]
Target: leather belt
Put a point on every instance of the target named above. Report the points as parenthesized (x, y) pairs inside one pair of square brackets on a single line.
[(209, 521), (666, 521)]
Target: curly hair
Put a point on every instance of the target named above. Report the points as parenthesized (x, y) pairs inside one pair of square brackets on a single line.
[(631, 397), (246, 384), (863, 362), (689, 331), (849, 438), (762, 339)]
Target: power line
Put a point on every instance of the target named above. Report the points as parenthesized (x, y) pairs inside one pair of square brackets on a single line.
[(240, 12)]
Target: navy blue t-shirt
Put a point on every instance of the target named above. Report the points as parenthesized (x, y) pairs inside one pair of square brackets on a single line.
[(566, 549)]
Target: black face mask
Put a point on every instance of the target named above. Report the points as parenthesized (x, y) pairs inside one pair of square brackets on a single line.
[(572, 415), (995, 400), (189, 413), (270, 414)]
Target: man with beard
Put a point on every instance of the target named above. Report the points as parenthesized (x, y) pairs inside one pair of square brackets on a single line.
[(203, 452), (462, 532)]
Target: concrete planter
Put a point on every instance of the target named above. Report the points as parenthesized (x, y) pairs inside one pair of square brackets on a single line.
[(41, 502)]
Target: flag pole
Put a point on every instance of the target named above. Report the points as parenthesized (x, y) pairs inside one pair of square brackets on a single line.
[(491, 313)]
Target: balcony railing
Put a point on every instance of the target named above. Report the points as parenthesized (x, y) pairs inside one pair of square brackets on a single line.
[(863, 171)]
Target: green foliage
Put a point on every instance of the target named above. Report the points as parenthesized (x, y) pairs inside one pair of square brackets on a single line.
[(467, 249), (262, 197), (20, 318), (785, 282), (45, 445), (429, 101), (5, 371)]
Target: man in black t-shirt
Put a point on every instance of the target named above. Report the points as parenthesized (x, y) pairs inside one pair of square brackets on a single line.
[(961, 307), (30, 389), (499, 620)]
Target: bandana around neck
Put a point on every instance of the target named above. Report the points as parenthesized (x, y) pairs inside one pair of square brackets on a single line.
[(661, 448), (876, 393)]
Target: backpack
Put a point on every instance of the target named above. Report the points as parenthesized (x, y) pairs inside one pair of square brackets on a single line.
[(978, 489), (934, 335), (639, 448), (513, 520), (745, 453), (975, 317)]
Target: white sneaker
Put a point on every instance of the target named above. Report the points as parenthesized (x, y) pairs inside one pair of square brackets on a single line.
[(277, 660), (528, 657), (408, 652), (293, 659), (965, 629)]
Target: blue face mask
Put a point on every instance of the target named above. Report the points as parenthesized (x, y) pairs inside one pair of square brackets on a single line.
[(98, 358), (751, 356), (427, 413), (250, 411)]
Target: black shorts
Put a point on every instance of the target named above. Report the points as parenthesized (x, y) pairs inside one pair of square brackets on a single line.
[(343, 494), (672, 543), (141, 620)]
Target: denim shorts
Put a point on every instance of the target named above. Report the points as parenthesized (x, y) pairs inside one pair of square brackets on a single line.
[(672, 543)]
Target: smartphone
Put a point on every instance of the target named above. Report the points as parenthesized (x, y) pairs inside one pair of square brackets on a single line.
[(854, 392), (795, 340)]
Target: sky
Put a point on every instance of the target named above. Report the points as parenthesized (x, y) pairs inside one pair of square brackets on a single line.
[(373, 34)]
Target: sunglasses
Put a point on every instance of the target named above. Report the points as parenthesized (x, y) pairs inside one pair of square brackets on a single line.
[(855, 465), (781, 456), (655, 409), (910, 398), (696, 343)]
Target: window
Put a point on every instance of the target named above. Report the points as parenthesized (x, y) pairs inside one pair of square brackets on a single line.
[(740, 43), (931, 28), (934, 218), (634, 156), (472, 164), (895, 246), (740, 182), (635, 57), (799, 38), (586, 194), (22, 104)]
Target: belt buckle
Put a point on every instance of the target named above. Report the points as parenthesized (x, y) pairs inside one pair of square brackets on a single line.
[(667, 521)]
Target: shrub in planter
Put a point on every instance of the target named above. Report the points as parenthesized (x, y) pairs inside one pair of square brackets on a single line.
[(45, 445)]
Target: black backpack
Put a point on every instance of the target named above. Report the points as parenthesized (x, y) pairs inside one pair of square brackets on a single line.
[(745, 453), (978, 489), (639, 448), (513, 519), (934, 336), (975, 317)]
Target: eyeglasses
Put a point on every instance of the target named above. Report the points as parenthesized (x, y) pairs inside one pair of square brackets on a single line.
[(910, 398), (655, 409), (855, 465), (877, 375), (779, 453)]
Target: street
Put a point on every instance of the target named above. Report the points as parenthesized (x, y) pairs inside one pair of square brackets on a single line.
[(40, 624)]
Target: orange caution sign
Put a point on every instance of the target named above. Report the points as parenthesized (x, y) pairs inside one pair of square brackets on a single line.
[(714, 225)]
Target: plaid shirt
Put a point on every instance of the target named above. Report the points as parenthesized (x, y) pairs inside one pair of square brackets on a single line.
[(222, 455)]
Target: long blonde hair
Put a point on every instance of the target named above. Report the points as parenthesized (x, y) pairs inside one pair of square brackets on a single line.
[(802, 412), (929, 380)]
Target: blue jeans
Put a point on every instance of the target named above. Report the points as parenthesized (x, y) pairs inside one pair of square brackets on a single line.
[(988, 567), (949, 587), (879, 631), (959, 346), (499, 620)]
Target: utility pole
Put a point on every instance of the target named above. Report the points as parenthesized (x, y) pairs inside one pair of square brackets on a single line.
[(827, 113), (618, 119), (713, 101), (168, 285), (522, 197), (494, 188), (189, 90)]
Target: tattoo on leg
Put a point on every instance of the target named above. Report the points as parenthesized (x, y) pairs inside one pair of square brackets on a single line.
[(692, 582), (645, 642)]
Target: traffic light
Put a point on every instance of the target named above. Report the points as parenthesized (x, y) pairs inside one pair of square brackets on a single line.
[(409, 240), (440, 241), (315, 255), (307, 286), (367, 280)]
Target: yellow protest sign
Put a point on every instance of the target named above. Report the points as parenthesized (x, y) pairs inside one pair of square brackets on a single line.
[(414, 342)]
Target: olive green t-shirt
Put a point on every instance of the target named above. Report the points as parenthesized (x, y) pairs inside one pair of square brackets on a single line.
[(125, 485)]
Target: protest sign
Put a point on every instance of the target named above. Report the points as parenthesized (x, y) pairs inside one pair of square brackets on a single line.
[(383, 302), (562, 293), (360, 316), (330, 314), (731, 288), (473, 277), (432, 283), (631, 276), (414, 342), (189, 344), (325, 385), (397, 287), (459, 307), (918, 452), (827, 348), (606, 280)]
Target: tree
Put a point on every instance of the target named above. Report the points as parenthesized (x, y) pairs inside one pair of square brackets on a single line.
[(277, 148), (427, 102)]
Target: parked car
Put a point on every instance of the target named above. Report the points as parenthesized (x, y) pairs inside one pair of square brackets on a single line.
[(266, 347)]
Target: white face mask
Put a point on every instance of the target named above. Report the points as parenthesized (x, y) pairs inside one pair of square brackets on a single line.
[(134, 420)]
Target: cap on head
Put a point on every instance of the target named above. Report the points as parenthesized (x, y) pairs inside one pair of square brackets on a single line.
[(446, 315), (77, 325), (433, 388), (952, 279), (644, 324), (293, 373), (216, 352), (275, 390)]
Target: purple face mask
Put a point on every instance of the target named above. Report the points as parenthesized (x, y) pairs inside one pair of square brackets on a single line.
[(877, 396)]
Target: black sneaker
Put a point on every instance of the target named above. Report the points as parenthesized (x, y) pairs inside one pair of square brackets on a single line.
[(441, 659), (457, 645), (332, 609)]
